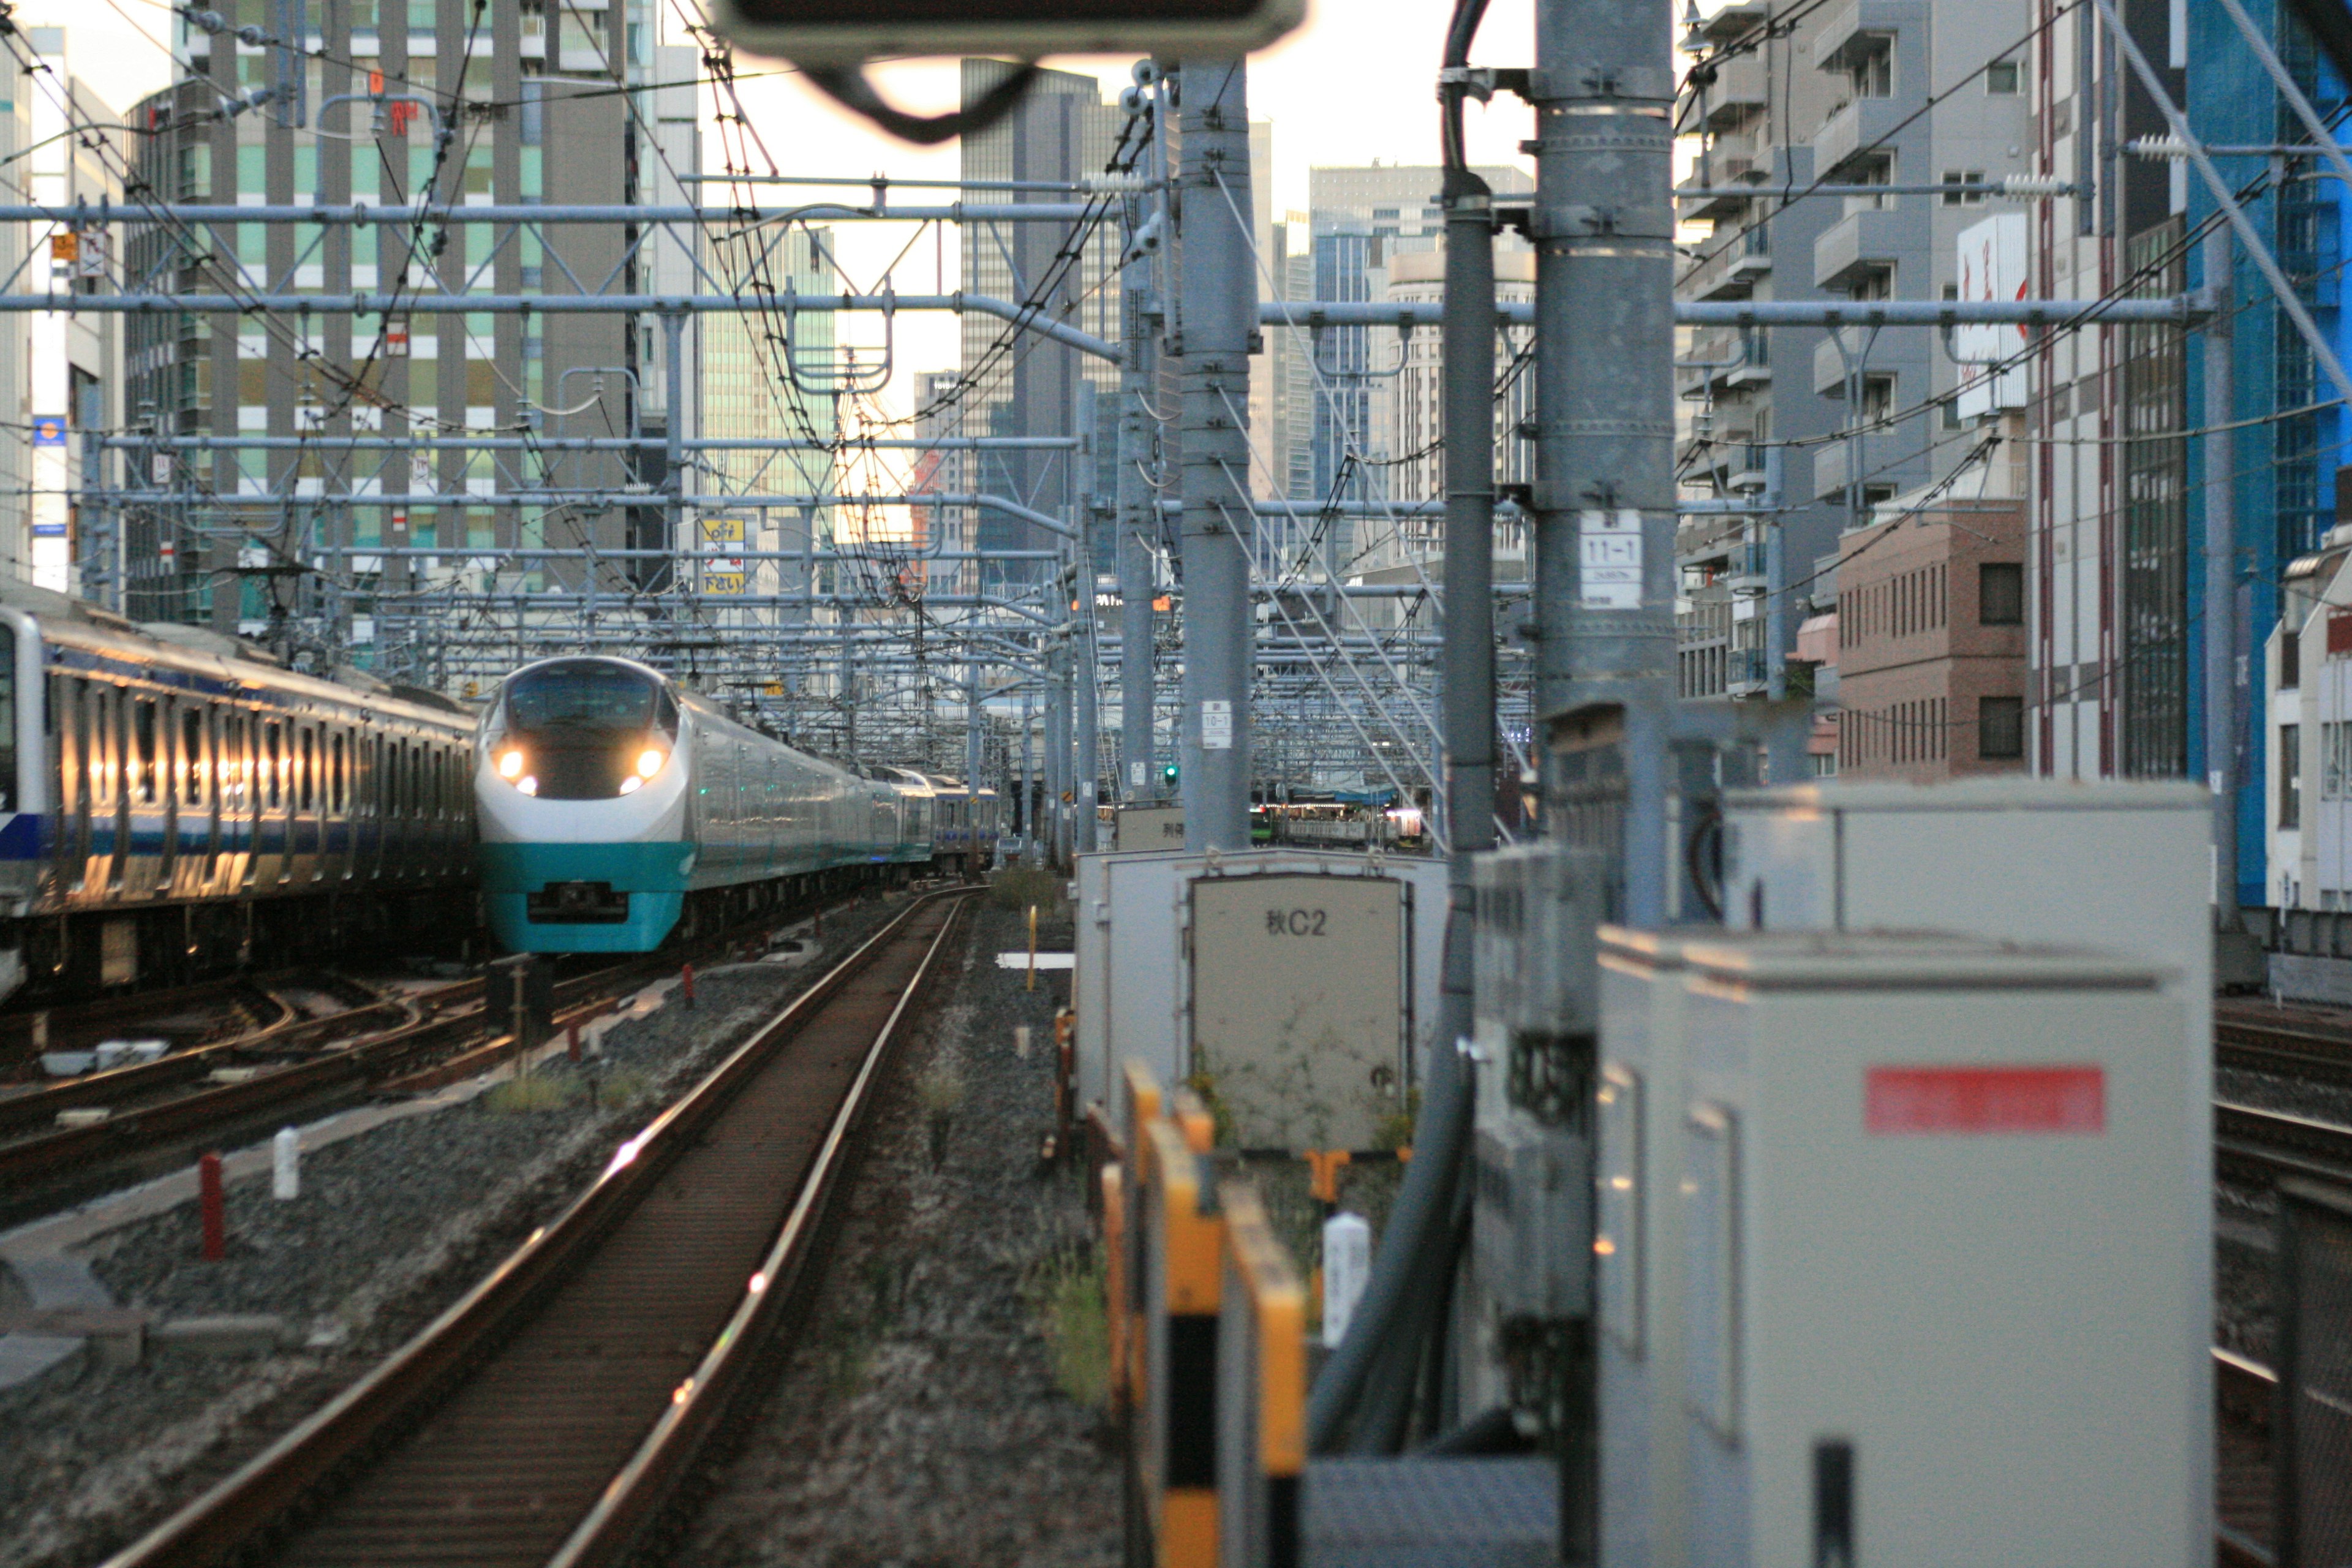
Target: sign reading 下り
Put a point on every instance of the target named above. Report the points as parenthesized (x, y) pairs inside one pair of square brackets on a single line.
[(1609, 559), (1216, 726)]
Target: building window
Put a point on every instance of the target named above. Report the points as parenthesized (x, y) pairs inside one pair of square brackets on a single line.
[(2334, 742), (2000, 594), (2290, 660), (2000, 728), (1963, 177), (2001, 77), (1873, 74), (2290, 775)]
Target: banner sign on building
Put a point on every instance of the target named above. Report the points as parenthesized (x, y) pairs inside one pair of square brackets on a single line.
[(1992, 267), (48, 429)]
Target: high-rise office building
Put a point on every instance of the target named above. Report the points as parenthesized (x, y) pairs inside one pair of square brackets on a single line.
[(1362, 218), (389, 103), (1015, 384)]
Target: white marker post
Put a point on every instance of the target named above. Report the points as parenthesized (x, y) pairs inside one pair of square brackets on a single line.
[(286, 1165), (1347, 1266)]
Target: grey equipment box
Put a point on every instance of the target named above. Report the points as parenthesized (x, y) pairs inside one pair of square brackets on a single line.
[(1134, 828), (1638, 1240), (2121, 867), (1162, 972), (1936, 1220), (1307, 979)]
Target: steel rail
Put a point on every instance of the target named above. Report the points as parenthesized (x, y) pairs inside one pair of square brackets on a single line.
[(256, 1502), (2267, 1144)]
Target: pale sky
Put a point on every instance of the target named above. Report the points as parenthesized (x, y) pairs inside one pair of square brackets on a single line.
[(1356, 83)]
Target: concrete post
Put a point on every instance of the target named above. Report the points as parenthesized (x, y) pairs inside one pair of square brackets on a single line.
[(1084, 649), (674, 425), (2224, 723), (1136, 527), (1214, 341), (1604, 486), (972, 726), (1025, 787), (1468, 358)]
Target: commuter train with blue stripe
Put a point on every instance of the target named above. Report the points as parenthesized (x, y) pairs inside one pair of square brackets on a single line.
[(173, 803), (616, 806)]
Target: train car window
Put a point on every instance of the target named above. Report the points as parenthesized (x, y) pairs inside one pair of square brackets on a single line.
[(142, 748), (335, 773), (192, 755), (273, 763), (305, 769)]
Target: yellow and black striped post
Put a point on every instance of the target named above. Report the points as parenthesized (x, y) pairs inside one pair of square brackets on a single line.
[(1184, 1278), (1261, 1391), (1141, 1106)]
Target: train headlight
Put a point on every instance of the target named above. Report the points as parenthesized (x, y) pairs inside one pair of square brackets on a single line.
[(511, 765), (529, 785), (650, 762), (629, 784)]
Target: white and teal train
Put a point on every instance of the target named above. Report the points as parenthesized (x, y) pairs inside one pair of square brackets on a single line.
[(614, 806)]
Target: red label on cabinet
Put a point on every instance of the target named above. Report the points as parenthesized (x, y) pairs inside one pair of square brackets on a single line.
[(1907, 1101)]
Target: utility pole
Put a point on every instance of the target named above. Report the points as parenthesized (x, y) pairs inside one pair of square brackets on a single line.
[(1137, 525), (1604, 225), (1214, 341), (2222, 717), (1604, 488), (1085, 651), (972, 726), (1468, 362)]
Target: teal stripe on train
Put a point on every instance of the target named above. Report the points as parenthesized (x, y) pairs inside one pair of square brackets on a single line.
[(654, 875)]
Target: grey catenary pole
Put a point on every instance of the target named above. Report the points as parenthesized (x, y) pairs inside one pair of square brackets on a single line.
[(1219, 299), (1604, 486)]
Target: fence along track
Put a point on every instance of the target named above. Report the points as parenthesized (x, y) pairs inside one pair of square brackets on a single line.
[(567, 1393)]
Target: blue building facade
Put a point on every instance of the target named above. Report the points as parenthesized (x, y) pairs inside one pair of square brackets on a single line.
[(2288, 450)]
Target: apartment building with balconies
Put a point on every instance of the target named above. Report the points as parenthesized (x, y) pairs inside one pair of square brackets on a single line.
[(1797, 427)]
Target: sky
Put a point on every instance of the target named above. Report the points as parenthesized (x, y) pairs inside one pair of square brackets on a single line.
[(1356, 83)]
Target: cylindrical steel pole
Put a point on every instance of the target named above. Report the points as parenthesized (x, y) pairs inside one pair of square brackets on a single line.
[(1468, 365), (1138, 521), (1604, 455), (1219, 296), (2222, 721)]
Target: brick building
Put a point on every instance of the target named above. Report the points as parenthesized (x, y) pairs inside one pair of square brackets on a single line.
[(1931, 642)]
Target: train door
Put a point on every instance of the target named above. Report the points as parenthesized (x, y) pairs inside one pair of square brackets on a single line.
[(306, 803), (114, 798), (337, 850), (270, 813), (69, 710), (241, 814), (195, 817), (143, 794), (400, 789)]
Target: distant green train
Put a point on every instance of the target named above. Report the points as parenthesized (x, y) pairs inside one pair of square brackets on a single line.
[(616, 806)]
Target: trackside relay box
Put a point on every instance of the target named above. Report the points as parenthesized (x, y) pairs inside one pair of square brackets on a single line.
[(1932, 1191), (1638, 1106), (2121, 867)]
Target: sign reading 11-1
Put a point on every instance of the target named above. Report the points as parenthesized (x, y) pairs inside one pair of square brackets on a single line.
[(1609, 559)]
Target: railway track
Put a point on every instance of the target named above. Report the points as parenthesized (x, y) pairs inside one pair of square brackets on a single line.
[(69, 1139), (548, 1415), (2243, 1486), (2263, 1145), (2312, 1047)]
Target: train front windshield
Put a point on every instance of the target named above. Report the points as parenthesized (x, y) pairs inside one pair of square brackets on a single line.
[(583, 730)]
